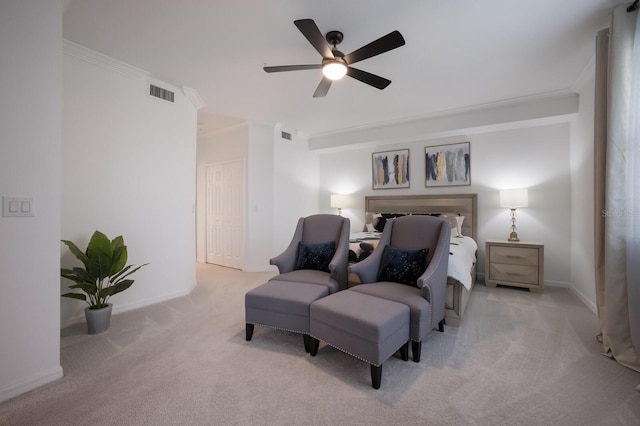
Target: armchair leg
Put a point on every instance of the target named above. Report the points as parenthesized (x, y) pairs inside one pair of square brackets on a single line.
[(441, 326), (416, 347), (376, 376), (248, 331), (404, 352), (313, 345), (307, 343)]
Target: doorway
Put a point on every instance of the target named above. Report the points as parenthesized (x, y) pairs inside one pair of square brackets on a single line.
[(225, 214)]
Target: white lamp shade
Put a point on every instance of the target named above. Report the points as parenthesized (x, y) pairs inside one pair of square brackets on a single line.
[(339, 201), (513, 198), (334, 70)]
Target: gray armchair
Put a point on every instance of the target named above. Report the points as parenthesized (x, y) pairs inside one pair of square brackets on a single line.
[(308, 272), (426, 300), (317, 229)]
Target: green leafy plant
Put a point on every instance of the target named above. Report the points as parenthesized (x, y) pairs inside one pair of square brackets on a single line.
[(104, 273)]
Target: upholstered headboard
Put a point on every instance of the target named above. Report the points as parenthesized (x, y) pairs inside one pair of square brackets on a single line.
[(451, 204)]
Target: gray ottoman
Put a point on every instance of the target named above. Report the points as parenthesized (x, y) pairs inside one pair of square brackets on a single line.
[(283, 305), (367, 327)]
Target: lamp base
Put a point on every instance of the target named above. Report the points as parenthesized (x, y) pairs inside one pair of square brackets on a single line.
[(514, 235)]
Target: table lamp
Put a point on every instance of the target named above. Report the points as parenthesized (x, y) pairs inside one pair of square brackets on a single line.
[(512, 199), (338, 201)]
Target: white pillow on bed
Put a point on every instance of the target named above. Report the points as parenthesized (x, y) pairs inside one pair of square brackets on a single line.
[(459, 219), (456, 223)]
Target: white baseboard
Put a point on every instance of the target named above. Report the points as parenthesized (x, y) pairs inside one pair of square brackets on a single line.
[(131, 306), (588, 303), (146, 302), (15, 389), (562, 284)]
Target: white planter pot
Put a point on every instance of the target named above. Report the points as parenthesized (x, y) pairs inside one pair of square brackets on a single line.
[(98, 320)]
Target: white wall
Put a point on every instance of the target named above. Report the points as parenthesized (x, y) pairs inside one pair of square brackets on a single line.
[(128, 169), (260, 201), (30, 152), (296, 186), (536, 157), (582, 197)]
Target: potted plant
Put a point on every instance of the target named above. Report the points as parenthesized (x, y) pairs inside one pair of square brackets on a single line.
[(104, 274)]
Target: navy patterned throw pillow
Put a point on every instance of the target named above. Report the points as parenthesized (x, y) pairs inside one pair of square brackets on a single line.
[(402, 266), (315, 256)]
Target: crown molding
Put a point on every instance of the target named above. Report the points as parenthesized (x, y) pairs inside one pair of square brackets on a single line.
[(91, 56), (587, 73), (194, 97)]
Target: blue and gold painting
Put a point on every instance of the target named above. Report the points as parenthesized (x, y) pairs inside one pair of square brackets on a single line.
[(448, 165), (391, 169)]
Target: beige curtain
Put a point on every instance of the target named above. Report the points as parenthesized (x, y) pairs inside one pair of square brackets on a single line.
[(617, 226)]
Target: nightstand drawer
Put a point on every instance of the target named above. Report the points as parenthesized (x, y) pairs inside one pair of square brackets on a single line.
[(514, 273), (514, 256)]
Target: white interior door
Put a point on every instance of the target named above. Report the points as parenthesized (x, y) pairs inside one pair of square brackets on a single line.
[(225, 214), (214, 216)]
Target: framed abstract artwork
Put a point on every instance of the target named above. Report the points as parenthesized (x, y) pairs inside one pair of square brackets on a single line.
[(448, 165), (390, 169)]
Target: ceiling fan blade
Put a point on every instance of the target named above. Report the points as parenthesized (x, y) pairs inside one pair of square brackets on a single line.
[(368, 78), (281, 68), (310, 30), (322, 88), (383, 44)]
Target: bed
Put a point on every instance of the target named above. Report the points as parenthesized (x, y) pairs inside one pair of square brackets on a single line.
[(462, 264)]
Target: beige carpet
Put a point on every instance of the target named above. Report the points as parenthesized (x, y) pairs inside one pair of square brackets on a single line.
[(518, 358)]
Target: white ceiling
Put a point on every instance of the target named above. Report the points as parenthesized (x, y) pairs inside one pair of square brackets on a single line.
[(458, 53)]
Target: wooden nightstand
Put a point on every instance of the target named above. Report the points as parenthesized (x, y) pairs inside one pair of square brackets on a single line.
[(515, 264)]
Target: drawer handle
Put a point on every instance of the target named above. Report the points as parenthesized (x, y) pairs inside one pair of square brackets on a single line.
[(514, 257), (514, 274)]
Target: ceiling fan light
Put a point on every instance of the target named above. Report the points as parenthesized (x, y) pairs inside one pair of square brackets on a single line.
[(334, 70)]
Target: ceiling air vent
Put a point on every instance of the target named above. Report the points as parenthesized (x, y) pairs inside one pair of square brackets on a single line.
[(285, 135), (161, 93)]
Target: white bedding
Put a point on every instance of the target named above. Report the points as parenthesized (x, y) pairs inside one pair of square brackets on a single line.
[(362, 237), (462, 258)]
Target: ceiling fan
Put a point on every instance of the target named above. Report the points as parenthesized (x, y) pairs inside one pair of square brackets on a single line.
[(336, 64)]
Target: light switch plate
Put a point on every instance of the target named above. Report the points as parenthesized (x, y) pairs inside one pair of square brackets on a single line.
[(17, 206)]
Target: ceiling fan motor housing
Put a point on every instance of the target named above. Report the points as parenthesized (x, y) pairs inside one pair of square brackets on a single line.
[(334, 37)]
